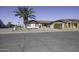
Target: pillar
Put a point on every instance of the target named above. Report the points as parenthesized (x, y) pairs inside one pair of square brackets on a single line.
[(77, 25), (62, 25), (71, 25), (67, 25)]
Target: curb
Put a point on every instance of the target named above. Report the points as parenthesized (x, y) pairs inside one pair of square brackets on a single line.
[(36, 32)]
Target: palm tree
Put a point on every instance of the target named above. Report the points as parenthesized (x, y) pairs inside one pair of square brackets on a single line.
[(25, 13)]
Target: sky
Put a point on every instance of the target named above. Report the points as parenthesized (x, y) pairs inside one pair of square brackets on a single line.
[(41, 12)]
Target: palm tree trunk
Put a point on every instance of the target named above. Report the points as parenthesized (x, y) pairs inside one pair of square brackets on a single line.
[(25, 21)]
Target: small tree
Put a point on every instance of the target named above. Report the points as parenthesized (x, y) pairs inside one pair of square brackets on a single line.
[(9, 25)]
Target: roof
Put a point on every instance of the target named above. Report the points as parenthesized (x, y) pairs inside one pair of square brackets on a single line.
[(44, 21), (69, 20), (50, 22), (39, 21), (33, 21)]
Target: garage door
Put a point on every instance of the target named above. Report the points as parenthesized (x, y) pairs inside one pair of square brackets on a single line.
[(58, 26)]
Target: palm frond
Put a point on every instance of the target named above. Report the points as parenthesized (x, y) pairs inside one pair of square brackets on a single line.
[(32, 16), (25, 13)]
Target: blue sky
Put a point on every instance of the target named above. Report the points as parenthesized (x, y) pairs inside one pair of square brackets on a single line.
[(41, 13)]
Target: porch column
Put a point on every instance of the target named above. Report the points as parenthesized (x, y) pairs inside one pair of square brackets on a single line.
[(62, 25), (71, 25), (67, 25), (52, 26), (40, 25), (77, 25)]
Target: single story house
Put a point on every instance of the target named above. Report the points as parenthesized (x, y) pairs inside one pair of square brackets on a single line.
[(58, 24), (65, 24), (38, 24)]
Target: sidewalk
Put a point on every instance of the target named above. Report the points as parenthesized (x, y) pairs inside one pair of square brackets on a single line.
[(6, 30)]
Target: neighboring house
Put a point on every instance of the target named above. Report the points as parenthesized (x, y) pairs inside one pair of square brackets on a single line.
[(1, 24), (38, 24), (10, 25), (65, 24), (33, 24)]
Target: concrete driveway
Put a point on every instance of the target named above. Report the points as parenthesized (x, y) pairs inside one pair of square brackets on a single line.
[(40, 42)]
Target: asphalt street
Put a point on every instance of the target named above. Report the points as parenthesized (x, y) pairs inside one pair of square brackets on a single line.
[(40, 42)]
